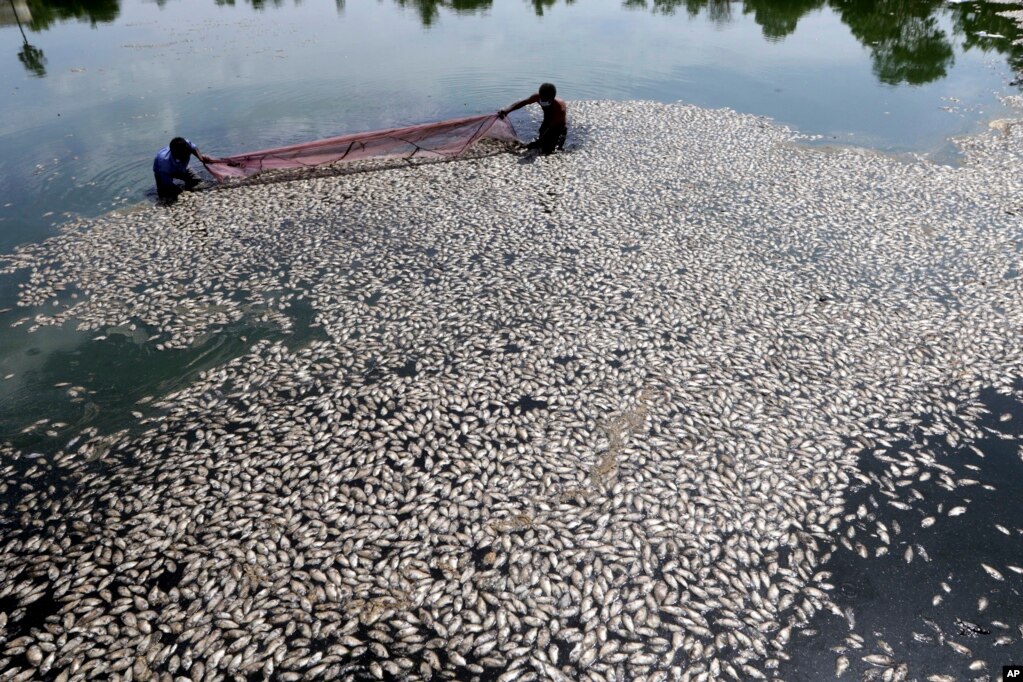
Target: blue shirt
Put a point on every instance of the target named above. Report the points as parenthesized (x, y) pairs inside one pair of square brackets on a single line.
[(166, 167)]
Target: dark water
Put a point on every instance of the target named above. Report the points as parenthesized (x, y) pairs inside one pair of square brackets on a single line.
[(891, 599)]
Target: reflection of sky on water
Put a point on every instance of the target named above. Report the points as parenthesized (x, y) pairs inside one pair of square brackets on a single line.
[(82, 138)]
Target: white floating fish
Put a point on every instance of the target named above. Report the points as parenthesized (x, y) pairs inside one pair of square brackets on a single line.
[(993, 572)]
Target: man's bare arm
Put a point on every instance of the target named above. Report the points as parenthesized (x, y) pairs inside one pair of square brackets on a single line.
[(532, 99)]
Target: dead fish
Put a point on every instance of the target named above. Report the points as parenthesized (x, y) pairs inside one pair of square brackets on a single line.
[(959, 648), (970, 629), (992, 572), (880, 660), (841, 665)]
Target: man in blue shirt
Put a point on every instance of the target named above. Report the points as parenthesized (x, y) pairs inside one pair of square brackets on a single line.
[(171, 163)]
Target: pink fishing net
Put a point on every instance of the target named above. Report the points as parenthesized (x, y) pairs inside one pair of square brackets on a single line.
[(444, 139)]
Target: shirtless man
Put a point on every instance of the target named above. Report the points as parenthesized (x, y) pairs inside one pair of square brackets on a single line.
[(555, 119)]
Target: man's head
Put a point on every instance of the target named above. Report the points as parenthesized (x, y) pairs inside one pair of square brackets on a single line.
[(179, 149), (547, 93)]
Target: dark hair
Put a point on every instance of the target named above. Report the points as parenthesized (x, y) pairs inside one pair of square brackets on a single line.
[(548, 91), (180, 148)]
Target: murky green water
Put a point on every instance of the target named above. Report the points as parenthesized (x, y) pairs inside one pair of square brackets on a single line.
[(92, 89)]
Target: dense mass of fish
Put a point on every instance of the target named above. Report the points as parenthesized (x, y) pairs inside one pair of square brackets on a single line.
[(587, 416)]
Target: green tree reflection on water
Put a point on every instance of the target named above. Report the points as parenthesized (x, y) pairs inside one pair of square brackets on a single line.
[(33, 60), (45, 13), (429, 10), (905, 38), (778, 18), (907, 45), (30, 56)]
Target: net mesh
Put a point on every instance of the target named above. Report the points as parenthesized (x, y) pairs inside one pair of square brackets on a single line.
[(435, 141)]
